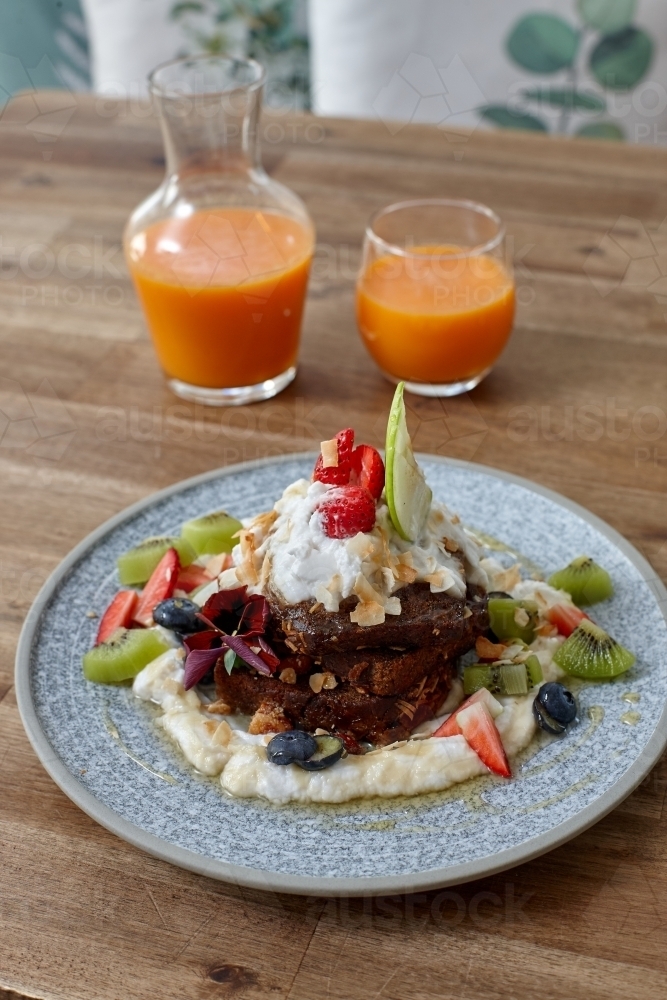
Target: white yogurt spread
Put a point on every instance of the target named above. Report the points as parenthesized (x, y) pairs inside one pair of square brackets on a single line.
[(219, 745), (286, 552)]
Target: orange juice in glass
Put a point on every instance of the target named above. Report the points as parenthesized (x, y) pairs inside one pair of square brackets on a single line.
[(220, 253), (435, 295)]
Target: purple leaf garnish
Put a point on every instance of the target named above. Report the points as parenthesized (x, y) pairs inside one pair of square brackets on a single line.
[(197, 665), (202, 640), (242, 649), (230, 601), (230, 611), (255, 616), (267, 654)]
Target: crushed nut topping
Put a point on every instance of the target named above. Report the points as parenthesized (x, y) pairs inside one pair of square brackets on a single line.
[(316, 682), (288, 675), (218, 707), (489, 650), (390, 746), (508, 579), (547, 630), (222, 735)]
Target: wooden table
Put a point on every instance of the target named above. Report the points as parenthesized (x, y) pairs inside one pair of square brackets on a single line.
[(577, 402)]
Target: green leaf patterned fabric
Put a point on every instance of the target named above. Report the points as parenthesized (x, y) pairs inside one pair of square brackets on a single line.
[(507, 118), (543, 43), (565, 97), (607, 16), (621, 60), (601, 130)]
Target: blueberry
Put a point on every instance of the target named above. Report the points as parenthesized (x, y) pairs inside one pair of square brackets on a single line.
[(178, 614), (545, 721), (559, 702), (329, 750), (291, 747), (554, 708)]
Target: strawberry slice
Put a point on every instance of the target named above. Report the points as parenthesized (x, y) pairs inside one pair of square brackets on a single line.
[(191, 577), (337, 475), (565, 617), (346, 510), (368, 470), (450, 726), (160, 586), (117, 615), (481, 734)]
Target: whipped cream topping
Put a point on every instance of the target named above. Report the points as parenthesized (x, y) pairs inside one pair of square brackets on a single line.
[(285, 552)]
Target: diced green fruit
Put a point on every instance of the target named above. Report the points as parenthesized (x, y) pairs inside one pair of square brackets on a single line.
[(512, 619), (123, 655), (136, 566), (514, 678), (584, 580), (408, 495), (212, 534), (534, 673), (591, 653), (478, 676), (500, 678)]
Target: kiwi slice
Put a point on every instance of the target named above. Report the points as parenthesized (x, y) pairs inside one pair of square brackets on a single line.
[(584, 580), (212, 534), (512, 619), (591, 653), (123, 655), (136, 566), (505, 678), (533, 671)]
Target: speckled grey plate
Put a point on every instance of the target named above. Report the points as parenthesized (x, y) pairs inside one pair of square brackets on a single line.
[(104, 750)]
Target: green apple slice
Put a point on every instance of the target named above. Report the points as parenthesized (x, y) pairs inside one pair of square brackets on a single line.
[(408, 495)]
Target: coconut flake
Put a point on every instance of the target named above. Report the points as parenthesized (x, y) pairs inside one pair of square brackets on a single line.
[(368, 613), (329, 451)]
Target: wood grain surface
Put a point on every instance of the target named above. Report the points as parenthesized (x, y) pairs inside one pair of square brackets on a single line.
[(578, 403)]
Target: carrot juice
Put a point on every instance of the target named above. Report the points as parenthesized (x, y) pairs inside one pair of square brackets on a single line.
[(223, 293), (441, 319)]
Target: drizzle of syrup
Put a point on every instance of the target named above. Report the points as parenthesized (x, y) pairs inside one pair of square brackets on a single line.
[(112, 730)]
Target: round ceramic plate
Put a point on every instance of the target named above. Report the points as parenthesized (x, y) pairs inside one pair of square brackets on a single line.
[(102, 746)]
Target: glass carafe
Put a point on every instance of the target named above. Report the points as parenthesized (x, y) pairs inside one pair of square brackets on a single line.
[(220, 253)]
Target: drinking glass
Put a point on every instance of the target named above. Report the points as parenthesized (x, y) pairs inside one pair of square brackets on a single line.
[(220, 253), (435, 294)]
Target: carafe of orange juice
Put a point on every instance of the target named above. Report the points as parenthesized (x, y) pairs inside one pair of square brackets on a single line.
[(220, 253)]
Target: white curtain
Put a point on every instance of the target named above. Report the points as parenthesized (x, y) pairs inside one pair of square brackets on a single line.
[(129, 38), (441, 60)]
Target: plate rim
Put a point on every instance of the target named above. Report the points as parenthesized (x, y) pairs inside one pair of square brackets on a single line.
[(360, 885)]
